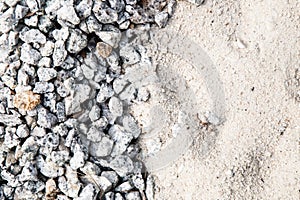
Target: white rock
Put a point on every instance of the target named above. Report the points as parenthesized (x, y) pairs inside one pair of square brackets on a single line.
[(77, 160), (46, 74), (33, 36)]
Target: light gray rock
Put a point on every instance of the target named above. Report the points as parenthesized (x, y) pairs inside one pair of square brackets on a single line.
[(29, 55), (7, 20), (59, 53), (105, 93), (33, 5), (104, 14), (111, 176), (43, 87), (94, 114), (88, 192), (77, 41), (122, 164), (69, 185), (110, 36), (31, 21), (10, 119), (133, 196), (61, 34), (87, 72), (10, 139), (150, 188), (93, 25), (49, 169), (67, 13), (131, 126), (46, 119), (20, 11), (22, 131), (129, 55), (102, 148), (90, 168), (47, 49), (46, 74), (77, 160), (124, 187), (45, 62), (161, 19), (38, 131), (84, 8), (32, 36), (118, 196), (60, 157), (121, 138), (80, 94), (115, 106)]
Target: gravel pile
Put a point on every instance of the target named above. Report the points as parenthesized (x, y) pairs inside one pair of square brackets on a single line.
[(64, 129)]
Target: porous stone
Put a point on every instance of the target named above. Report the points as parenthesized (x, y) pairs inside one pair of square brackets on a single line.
[(77, 41), (46, 119), (32, 36), (29, 55), (26, 100), (104, 14), (43, 87), (46, 74)]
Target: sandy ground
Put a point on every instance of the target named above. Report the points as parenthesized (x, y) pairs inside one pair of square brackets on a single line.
[(255, 154)]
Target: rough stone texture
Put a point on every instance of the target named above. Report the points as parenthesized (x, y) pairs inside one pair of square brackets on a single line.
[(103, 49), (26, 100)]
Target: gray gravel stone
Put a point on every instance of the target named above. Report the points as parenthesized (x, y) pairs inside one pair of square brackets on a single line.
[(20, 11), (33, 36), (61, 34), (49, 169), (29, 55), (105, 93), (125, 187), (104, 14), (95, 113), (77, 160), (45, 62), (46, 74), (88, 192), (46, 119), (115, 106), (122, 164), (47, 49), (111, 176), (133, 196), (161, 19), (43, 87), (31, 21), (129, 55), (121, 138), (102, 148), (77, 41), (80, 95), (59, 53), (67, 13), (7, 20), (22, 131)]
